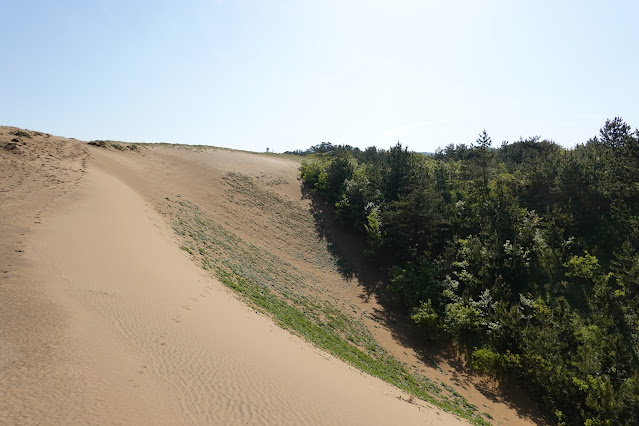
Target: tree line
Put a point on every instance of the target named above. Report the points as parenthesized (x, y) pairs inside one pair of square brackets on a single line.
[(525, 256)]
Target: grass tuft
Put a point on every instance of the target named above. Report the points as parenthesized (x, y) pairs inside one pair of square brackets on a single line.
[(120, 146)]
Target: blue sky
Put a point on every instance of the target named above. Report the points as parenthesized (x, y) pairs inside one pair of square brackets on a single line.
[(291, 74)]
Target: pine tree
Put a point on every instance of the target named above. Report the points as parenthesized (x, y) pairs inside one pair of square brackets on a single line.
[(484, 156)]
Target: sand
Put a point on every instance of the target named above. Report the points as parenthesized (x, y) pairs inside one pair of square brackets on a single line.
[(205, 177), (106, 321)]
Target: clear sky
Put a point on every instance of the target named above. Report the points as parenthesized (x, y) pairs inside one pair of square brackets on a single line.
[(291, 74)]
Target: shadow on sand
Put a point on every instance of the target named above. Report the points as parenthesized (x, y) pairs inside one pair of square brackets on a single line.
[(347, 248)]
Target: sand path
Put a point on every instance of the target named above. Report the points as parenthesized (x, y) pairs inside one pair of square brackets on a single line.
[(143, 336)]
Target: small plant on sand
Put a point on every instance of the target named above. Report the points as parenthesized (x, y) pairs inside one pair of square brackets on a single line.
[(120, 146), (21, 134)]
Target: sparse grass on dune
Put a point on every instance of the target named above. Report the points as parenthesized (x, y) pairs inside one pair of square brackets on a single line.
[(120, 146), (296, 158), (279, 289), (290, 227)]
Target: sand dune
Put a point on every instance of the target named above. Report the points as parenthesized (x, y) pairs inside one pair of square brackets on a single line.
[(106, 321)]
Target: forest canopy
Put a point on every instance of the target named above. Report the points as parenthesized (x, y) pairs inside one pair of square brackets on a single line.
[(524, 255)]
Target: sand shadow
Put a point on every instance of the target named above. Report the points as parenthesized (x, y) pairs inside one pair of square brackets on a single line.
[(347, 247)]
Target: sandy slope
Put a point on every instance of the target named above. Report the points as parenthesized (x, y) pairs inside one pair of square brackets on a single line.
[(36, 170), (262, 211), (105, 320)]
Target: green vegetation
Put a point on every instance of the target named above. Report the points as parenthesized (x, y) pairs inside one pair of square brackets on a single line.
[(21, 133), (525, 256), (278, 289), (120, 146), (323, 148)]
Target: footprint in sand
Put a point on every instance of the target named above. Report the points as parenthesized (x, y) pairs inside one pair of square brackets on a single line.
[(160, 340)]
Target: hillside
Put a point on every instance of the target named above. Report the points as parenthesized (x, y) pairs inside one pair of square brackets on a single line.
[(146, 283)]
